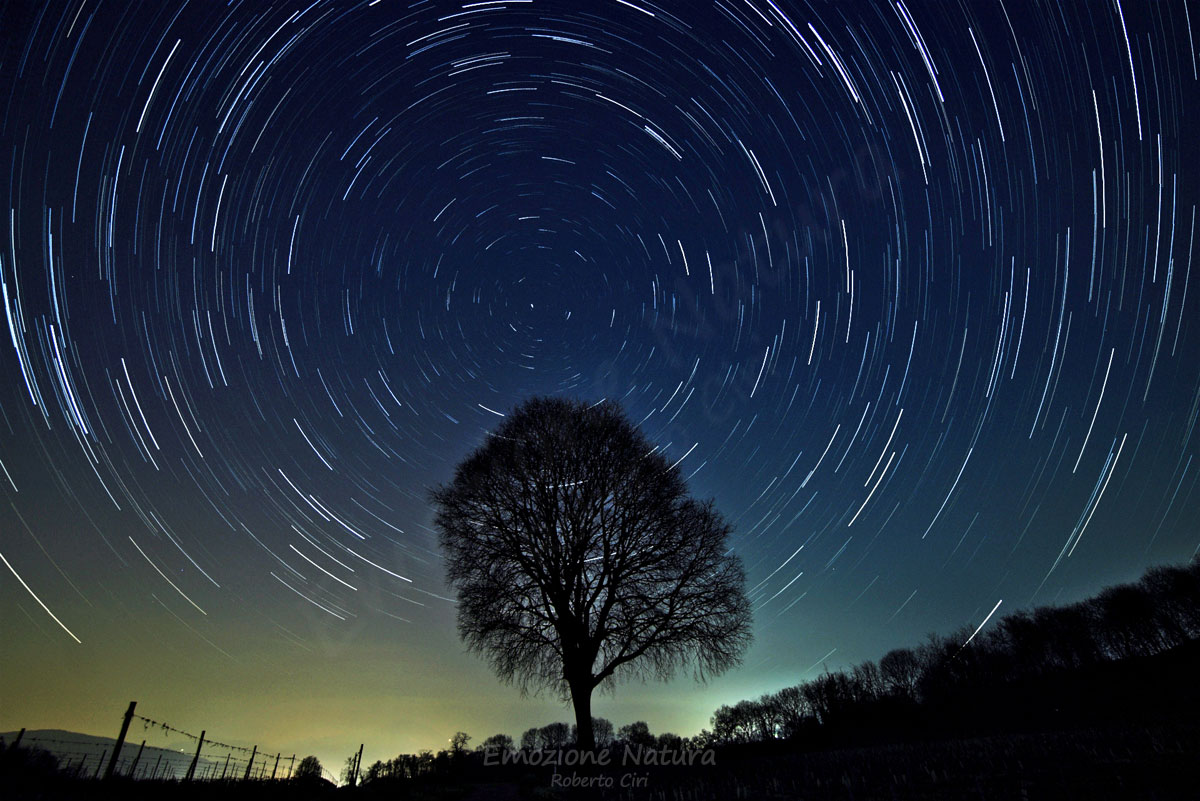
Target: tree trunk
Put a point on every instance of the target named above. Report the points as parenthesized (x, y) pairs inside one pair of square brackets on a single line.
[(581, 697)]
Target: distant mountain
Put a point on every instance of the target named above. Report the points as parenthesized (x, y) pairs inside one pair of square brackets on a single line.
[(88, 754)]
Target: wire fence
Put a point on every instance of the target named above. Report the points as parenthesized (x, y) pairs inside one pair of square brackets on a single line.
[(160, 755)]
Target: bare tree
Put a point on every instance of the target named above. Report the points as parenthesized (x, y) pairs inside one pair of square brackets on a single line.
[(602, 732), (636, 733), (580, 560), (900, 670), (458, 743), (497, 744)]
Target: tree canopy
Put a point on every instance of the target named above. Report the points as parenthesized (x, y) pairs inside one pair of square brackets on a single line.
[(579, 558), (309, 768)]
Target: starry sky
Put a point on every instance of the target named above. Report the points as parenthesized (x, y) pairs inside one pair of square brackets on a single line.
[(903, 286)]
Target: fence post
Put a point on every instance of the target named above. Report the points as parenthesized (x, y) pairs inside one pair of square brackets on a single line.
[(275, 768), (154, 773), (112, 763), (191, 771), (100, 764), (292, 765), (17, 741), (133, 767), (357, 762), (226, 767), (250, 763)]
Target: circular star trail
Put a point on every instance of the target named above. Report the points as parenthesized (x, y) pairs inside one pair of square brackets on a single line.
[(907, 288)]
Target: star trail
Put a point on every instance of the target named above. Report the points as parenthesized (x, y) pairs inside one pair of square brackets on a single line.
[(904, 287)]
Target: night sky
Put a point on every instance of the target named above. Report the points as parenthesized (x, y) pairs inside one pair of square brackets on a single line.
[(905, 288)]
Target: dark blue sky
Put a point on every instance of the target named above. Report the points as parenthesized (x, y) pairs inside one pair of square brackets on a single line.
[(905, 287)]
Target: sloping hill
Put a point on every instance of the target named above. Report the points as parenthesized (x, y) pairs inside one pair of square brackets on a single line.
[(82, 753)]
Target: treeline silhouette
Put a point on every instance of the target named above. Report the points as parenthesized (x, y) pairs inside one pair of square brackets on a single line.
[(552, 738), (1129, 654)]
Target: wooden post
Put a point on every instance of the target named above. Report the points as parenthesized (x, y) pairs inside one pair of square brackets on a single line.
[(133, 767), (17, 741), (100, 764), (226, 767), (275, 768), (292, 765), (112, 763), (357, 762), (191, 771), (250, 763), (154, 772)]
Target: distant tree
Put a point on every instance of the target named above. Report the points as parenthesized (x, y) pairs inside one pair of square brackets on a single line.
[(669, 741), (499, 743), (309, 769), (727, 726), (790, 710), (555, 735), (602, 728), (602, 731), (1070, 633), (375, 771), (531, 740), (830, 696), (635, 734), (1026, 642), (579, 559), (868, 681), (458, 743), (1176, 593), (1126, 615), (349, 773)]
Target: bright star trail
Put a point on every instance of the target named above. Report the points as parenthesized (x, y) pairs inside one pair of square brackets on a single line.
[(905, 288)]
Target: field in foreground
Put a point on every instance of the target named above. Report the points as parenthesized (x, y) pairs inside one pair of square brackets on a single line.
[(1094, 764)]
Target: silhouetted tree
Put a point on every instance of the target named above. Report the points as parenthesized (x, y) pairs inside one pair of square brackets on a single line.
[(375, 771), (580, 560), (735, 724), (309, 769), (531, 740), (602, 732), (669, 741), (635, 734), (349, 773), (1027, 642), (1176, 593), (868, 682), (1071, 634), (458, 743), (790, 710), (555, 735), (900, 670), (498, 743), (1126, 615)]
